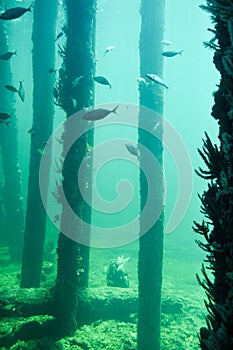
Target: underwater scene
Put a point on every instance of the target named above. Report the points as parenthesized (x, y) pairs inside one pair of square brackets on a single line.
[(116, 174)]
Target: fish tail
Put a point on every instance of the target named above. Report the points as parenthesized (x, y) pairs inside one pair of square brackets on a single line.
[(181, 52), (110, 86), (29, 9), (7, 124), (114, 109)]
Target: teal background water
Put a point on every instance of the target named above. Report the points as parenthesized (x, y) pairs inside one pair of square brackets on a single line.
[(192, 79)]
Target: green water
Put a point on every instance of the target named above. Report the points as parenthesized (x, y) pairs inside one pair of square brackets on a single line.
[(187, 106)]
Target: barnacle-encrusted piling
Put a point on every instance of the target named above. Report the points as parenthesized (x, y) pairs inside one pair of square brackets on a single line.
[(78, 65), (217, 200)]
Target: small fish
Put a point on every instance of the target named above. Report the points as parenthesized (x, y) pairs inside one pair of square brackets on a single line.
[(15, 12), (4, 116), (166, 42), (171, 53), (11, 88), (21, 91), (142, 81), (59, 35), (97, 114), (132, 149), (74, 102), (32, 132), (77, 80), (156, 79), (102, 80), (6, 56), (108, 49), (52, 70), (156, 126)]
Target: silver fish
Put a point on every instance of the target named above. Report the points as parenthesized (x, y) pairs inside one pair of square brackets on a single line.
[(156, 79), (77, 80), (97, 114), (171, 53), (156, 126), (166, 42), (74, 102), (109, 49)]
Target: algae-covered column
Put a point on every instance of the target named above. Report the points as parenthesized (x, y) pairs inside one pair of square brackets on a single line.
[(151, 243), (13, 203), (74, 91), (217, 200), (43, 37)]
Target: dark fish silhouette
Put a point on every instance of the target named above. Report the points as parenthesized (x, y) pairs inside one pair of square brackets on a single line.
[(4, 119), (52, 70), (4, 116), (102, 80), (97, 114), (55, 93), (6, 56), (132, 149), (21, 91), (31, 131), (11, 88), (59, 35), (171, 53), (14, 13)]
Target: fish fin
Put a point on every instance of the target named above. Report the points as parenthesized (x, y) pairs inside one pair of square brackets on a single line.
[(29, 9), (114, 109)]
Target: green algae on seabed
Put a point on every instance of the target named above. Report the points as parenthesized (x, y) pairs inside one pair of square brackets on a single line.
[(106, 334)]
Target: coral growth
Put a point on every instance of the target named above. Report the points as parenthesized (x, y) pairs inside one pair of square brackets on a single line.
[(217, 200), (116, 276)]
